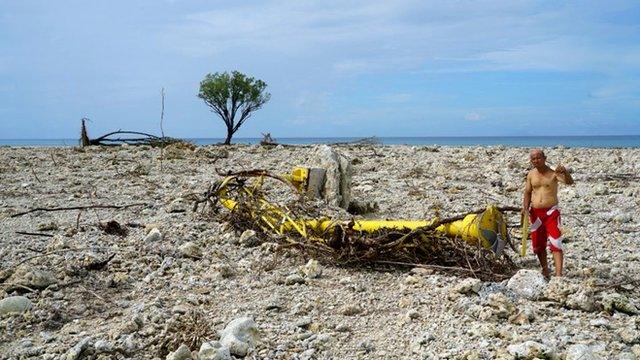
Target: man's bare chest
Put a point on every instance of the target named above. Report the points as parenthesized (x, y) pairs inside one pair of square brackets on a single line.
[(544, 181)]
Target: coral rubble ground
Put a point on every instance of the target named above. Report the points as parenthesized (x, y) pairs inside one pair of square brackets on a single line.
[(160, 275)]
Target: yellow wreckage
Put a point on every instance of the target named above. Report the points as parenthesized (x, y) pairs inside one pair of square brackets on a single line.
[(487, 228)]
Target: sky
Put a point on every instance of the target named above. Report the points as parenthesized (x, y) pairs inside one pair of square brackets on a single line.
[(333, 68)]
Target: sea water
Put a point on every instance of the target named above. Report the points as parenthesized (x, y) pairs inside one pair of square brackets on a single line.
[(608, 141)]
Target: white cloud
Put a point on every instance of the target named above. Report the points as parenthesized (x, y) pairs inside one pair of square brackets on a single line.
[(370, 37), (474, 116)]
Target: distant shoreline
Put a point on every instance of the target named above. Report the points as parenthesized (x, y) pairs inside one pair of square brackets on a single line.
[(598, 141)]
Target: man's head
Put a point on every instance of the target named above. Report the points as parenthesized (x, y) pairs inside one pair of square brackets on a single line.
[(537, 158)]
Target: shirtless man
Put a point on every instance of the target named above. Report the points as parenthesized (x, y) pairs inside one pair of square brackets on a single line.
[(541, 205)]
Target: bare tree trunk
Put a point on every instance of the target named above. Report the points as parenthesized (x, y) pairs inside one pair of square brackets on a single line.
[(227, 141), (84, 137)]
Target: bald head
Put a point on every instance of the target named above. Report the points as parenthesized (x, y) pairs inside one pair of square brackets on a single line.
[(537, 158), (537, 152)]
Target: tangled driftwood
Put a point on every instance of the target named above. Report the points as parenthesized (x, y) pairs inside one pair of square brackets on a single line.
[(342, 245), (120, 137)]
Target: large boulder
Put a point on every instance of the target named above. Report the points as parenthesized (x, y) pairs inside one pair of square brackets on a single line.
[(337, 190), (529, 284), (240, 336), (14, 305)]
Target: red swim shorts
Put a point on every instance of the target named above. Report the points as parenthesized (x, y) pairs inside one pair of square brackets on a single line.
[(545, 229)]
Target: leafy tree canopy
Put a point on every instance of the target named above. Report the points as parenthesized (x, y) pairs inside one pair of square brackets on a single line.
[(234, 97)]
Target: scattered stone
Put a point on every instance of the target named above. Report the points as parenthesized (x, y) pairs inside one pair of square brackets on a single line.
[(75, 352), (223, 271), (468, 286), (531, 350), (178, 205), (294, 279), (213, 350), (183, 353), (366, 345), (304, 322), (622, 218), (412, 314), (249, 239), (559, 288), (190, 250), (617, 302), (529, 284), (103, 346), (240, 336), (15, 304), (153, 236), (630, 335), (523, 317), (350, 310), (421, 342), (500, 307), (312, 269), (600, 190), (581, 352), (48, 226), (337, 190), (422, 271), (411, 280), (600, 322), (581, 300)]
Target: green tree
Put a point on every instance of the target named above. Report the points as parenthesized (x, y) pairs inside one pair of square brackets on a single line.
[(234, 97)]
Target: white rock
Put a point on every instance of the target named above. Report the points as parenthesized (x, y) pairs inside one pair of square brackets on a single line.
[(240, 336), (15, 304), (75, 352), (617, 302), (600, 190), (468, 286), (153, 236), (103, 346), (581, 300), (312, 269), (37, 279), (249, 239), (622, 218), (190, 249), (213, 350), (581, 352), (183, 353), (529, 284), (294, 279), (338, 182), (531, 350)]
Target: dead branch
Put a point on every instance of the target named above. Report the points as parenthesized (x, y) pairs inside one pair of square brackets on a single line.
[(98, 265), (33, 234), (78, 208)]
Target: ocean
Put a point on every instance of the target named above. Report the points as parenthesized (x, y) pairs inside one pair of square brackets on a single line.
[(605, 141)]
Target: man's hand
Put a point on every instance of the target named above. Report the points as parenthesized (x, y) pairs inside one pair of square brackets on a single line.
[(563, 175)]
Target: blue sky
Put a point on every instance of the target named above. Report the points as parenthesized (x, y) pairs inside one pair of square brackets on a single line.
[(334, 68)]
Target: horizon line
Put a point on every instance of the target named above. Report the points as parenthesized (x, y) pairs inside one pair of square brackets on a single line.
[(373, 136)]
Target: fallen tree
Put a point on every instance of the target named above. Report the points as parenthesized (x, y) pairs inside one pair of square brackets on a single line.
[(120, 137)]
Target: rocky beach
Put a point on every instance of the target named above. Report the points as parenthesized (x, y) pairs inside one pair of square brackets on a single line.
[(141, 275)]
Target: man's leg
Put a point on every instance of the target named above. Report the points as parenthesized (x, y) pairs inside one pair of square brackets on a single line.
[(558, 259), (542, 258)]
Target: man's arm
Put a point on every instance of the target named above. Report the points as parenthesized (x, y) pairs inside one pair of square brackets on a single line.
[(526, 201), (563, 175)]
